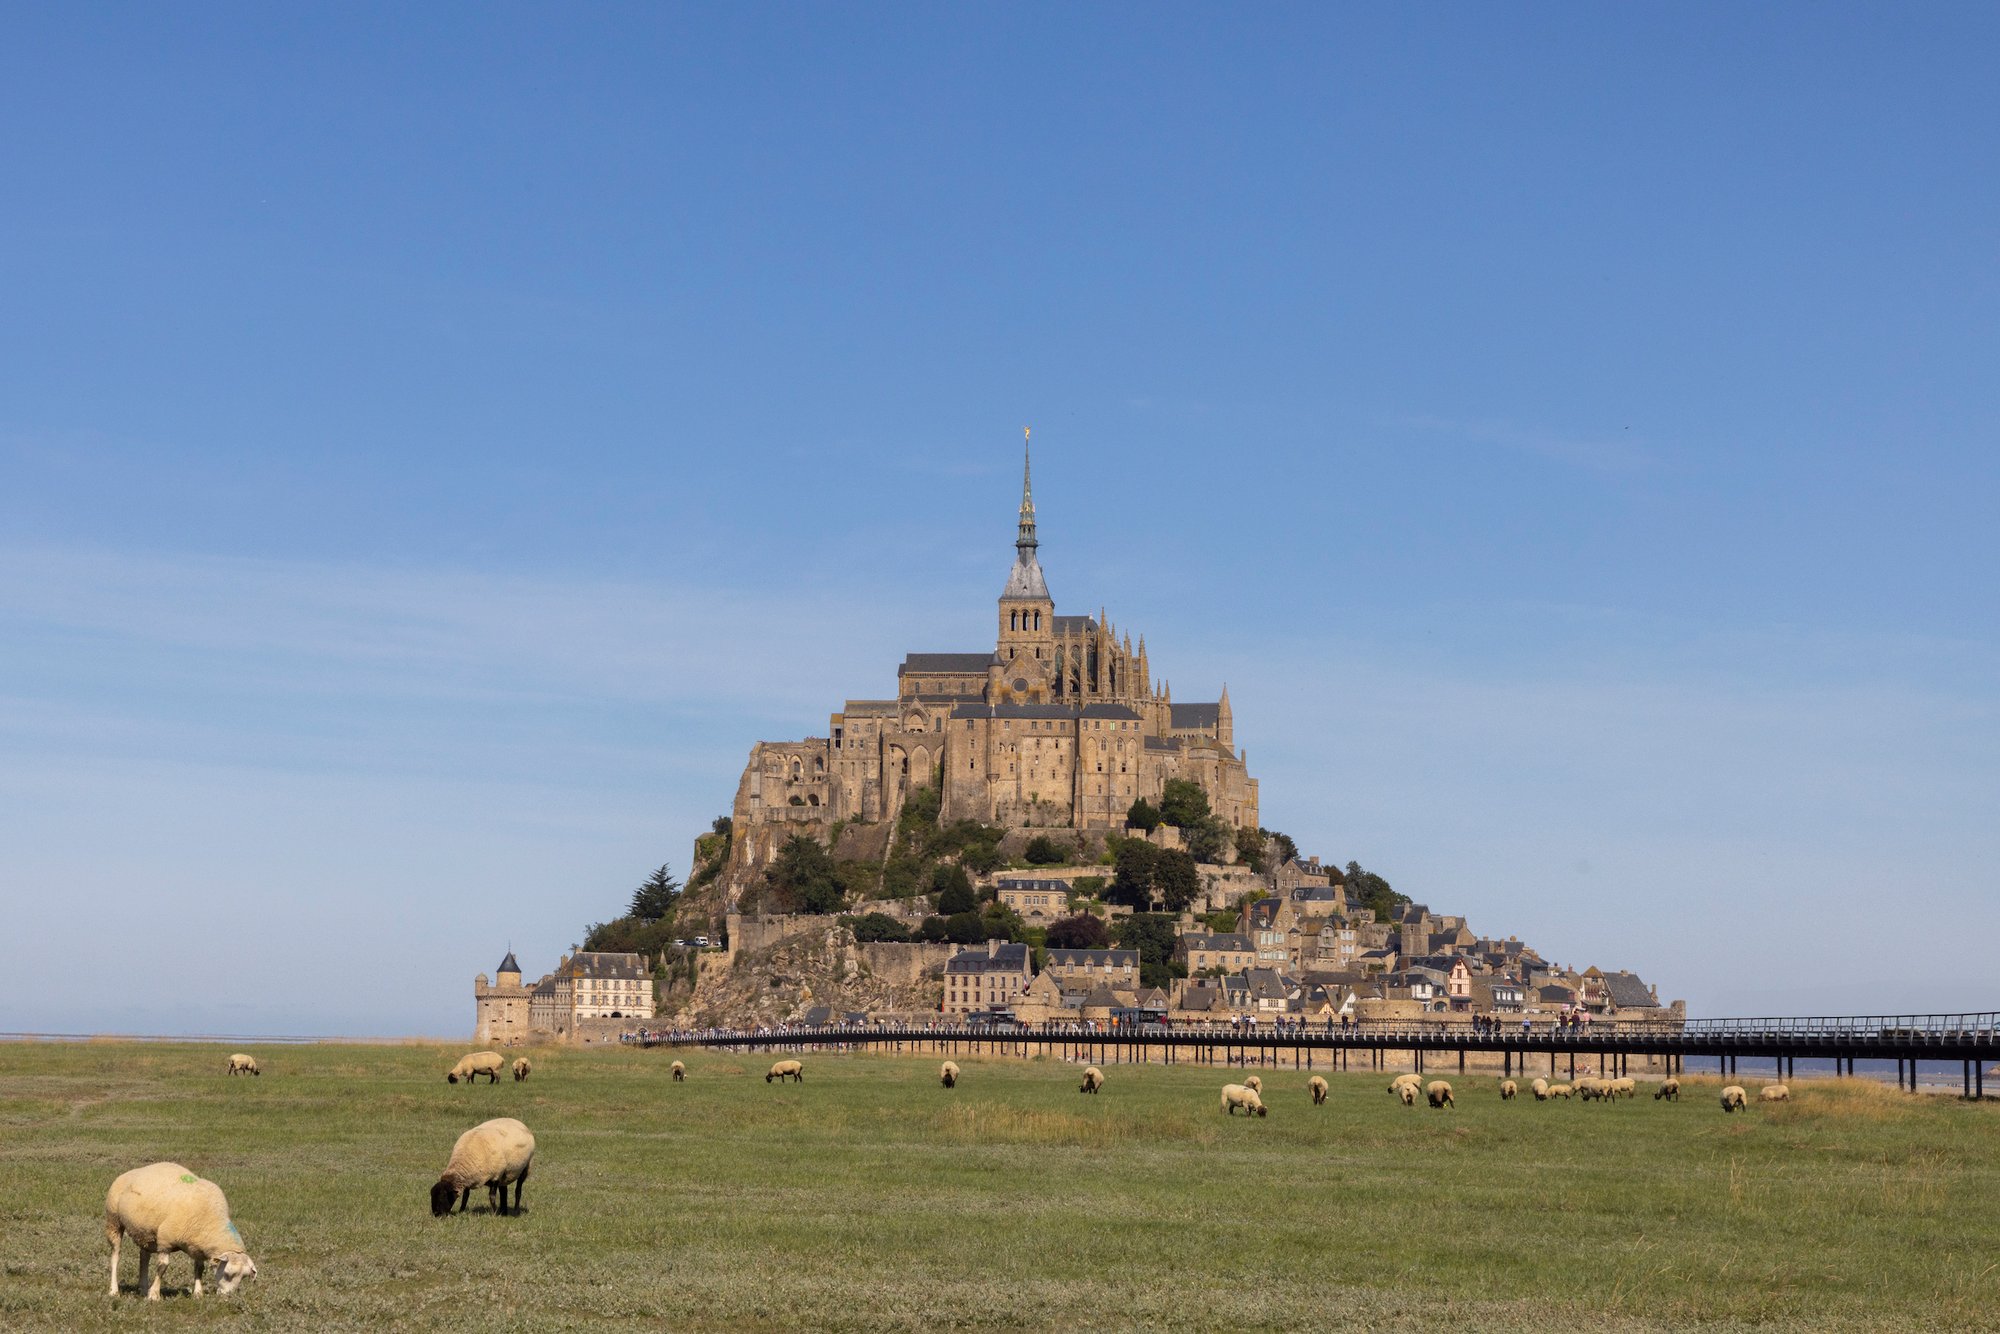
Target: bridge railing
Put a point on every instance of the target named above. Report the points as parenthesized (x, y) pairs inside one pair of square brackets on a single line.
[(1886, 1030)]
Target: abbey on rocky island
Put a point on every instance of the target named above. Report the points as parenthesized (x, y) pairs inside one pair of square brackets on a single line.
[(1059, 725)]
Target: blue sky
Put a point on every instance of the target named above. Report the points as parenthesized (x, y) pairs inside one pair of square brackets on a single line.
[(435, 445)]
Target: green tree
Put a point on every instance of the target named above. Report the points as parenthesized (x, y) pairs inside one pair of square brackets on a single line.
[(1045, 851), (653, 901), (1152, 935), (931, 930), (1251, 848), (1374, 892), (981, 858), (1002, 922), (965, 928), (1081, 932), (953, 889), (1143, 815), (1206, 839), (1177, 880), (875, 926), (1282, 847), (1183, 803), (1132, 884), (804, 878)]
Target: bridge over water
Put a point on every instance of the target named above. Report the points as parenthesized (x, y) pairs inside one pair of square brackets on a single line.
[(1968, 1040)]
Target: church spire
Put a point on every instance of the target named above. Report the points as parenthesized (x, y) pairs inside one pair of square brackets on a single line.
[(1025, 542), (1025, 580)]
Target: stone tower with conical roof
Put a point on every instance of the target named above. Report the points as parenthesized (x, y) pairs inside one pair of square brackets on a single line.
[(1027, 613)]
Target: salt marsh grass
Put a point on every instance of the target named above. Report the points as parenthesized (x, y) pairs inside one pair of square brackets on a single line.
[(870, 1198)]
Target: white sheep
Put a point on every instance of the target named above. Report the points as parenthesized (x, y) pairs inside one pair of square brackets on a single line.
[(521, 1068), (243, 1064), (1255, 1084), (948, 1074), (784, 1070), (1670, 1089), (1396, 1084), (492, 1154), (1562, 1091), (1408, 1092), (475, 1064), (1317, 1087), (1242, 1096), (1438, 1093), (1774, 1093), (1540, 1088), (1093, 1080), (1590, 1087), (165, 1208), (1508, 1090), (1624, 1087), (1734, 1098), (680, 1071)]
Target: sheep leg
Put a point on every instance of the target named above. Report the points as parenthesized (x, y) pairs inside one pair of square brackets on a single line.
[(198, 1262), (116, 1236), (519, 1182), (465, 1200), (145, 1263)]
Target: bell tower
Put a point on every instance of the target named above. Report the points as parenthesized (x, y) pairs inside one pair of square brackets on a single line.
[(1027, 639)]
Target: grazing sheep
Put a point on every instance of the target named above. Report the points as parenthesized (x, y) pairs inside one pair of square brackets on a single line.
[(784, 1070), (1255, 1084), (1624, 1087), (1590, 1088), (1093, 1079), (1408, 1093), (1774, 1093), (165, 1208), (1669, 1089), (1540, 1088), (680, 1071), (1508, 1089), (242, 1064), (521, 1068), (1438, 1093), (1396, 1084), (470, 1067), (1562, 1091), (1317, 1087), (1243, 1096), (491, 1154), (948, 1074), (1733, 1098)]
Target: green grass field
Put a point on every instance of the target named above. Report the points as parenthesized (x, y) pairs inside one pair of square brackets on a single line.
[(869, 1197)]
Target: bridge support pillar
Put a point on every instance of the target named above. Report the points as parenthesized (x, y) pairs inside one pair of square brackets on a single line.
[(1461, 1060)]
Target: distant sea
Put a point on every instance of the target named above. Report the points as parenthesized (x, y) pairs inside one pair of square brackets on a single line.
[(1930, 1074)]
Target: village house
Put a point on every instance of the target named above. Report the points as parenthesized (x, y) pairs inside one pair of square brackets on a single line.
[(1039, 901), (1117, 969), (988, 978), (1229, 951)]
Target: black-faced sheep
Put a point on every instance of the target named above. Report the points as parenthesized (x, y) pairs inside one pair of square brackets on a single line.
[(522, 1068), (1438, 1093), (1540, 1088), (1562, 1091), (1774, 1093), (1317, 1087), (1255, 1083), (493, 1154), (243, 1064), (471, 1066), (1093, 1080), (165, 1207), (1624, 1087), (948, 1074), (1408, 1092), (1669, 1089), (1235, 1096), (680, 1071), (1396, 1084), (1733, 1098), (1508, 1090), (784, 1070)]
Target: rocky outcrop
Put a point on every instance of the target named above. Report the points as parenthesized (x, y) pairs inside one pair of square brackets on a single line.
[(823, 966)]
